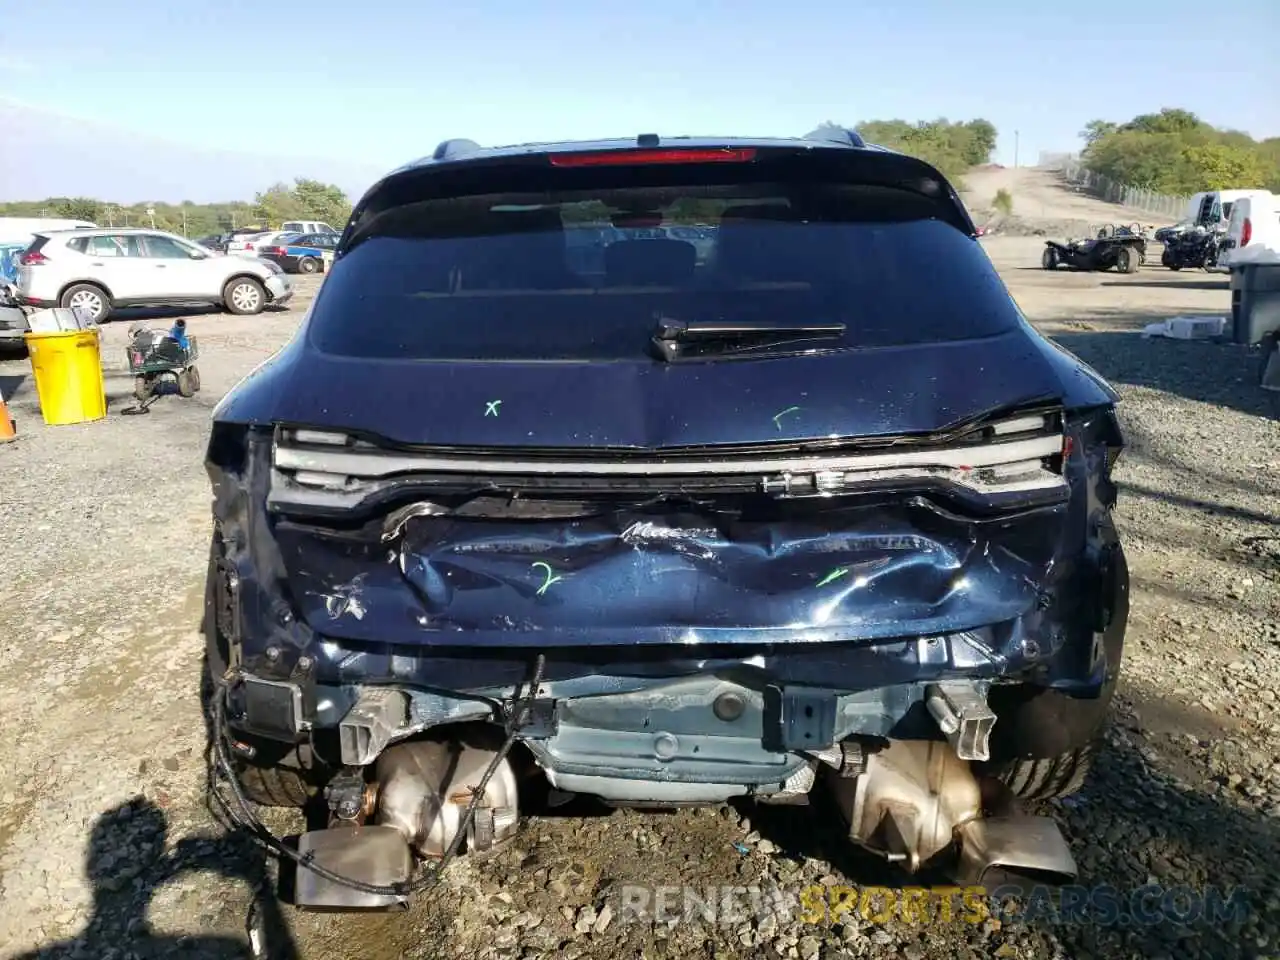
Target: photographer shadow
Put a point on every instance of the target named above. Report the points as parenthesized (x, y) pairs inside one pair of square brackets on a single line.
[(127, 864)]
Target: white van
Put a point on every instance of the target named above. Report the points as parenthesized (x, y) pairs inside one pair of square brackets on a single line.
[(1213, 208), (24, 229), (1254, 232)]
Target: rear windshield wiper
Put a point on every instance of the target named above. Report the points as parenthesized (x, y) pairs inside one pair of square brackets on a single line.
[(677, 339)]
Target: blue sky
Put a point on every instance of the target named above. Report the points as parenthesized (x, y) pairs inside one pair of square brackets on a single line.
[(375, 84)]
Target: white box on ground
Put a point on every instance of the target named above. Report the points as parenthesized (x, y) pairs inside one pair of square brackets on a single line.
[(1187, 328)]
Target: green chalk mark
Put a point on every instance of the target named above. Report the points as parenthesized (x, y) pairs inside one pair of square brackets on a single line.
[(833, 576), (780, 414), (551, 577)]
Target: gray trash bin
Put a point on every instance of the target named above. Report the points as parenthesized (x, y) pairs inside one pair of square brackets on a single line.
[(1255, 302)]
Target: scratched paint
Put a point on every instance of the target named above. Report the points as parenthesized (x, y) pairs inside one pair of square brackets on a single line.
[(346, 599)]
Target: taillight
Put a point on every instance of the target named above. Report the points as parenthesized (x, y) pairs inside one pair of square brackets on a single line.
[(1246, 231), (618, 158), (33, 259), (273, 251)]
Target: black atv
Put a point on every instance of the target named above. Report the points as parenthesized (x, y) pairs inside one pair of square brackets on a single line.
[(1197, 247), (1124, 248)]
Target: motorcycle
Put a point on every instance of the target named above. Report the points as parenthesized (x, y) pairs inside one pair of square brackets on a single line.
[(1194, 248)]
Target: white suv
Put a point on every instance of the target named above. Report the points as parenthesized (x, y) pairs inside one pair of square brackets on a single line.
[(104, 269)]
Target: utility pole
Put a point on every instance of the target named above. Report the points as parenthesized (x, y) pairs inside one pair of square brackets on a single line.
[(1015, 149)]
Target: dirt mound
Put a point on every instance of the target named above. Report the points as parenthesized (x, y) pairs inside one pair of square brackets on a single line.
[(1043, 204)]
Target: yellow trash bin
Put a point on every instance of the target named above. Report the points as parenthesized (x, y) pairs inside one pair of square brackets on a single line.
[(68, 370)]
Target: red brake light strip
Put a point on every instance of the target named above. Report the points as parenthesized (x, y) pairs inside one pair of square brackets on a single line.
[(619, 158)]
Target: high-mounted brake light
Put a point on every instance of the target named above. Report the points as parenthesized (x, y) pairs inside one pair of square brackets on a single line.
[(629, 158)]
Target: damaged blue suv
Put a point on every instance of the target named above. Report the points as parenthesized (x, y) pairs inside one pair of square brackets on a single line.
[(663, 471)]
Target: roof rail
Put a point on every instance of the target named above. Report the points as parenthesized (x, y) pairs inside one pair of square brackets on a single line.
[(830, 133), (448, 149)]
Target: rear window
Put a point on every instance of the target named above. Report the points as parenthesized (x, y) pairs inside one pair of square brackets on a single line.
[(588, 275)]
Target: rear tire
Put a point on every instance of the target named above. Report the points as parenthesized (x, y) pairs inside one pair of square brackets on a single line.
[(1049, 259), (1127, 260), (142, 389), (185, 389), (273, 786), (308, 265), (88, 297), (1047, 779), (194, 376)]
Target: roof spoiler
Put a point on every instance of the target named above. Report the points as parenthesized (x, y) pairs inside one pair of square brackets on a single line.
[(830, 133), (452, 149), (917, 174)]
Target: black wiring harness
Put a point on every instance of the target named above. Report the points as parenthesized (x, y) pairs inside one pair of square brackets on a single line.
[(244, 817)]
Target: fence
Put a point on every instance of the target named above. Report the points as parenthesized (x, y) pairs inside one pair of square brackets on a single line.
[(1105, 188)]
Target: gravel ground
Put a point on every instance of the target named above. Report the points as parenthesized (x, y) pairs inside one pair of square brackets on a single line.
[(108, 848)]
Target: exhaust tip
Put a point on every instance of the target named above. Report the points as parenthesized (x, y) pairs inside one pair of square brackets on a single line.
[(1017, 850), (373, 855)]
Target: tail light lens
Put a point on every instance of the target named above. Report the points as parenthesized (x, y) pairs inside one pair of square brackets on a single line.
[(273, 251), (33, 259), (1246, 231)]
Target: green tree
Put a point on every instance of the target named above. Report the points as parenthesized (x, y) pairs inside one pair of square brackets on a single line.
[(983, 141), (77, 208), (1176, 152), (951, 147), (305, 200), (323, 201), (1168, 120), (1221, 166), (1269, 150), (1095, 130), (277, 204)]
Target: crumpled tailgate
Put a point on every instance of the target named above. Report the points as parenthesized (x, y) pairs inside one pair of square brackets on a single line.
[(889, 568)]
